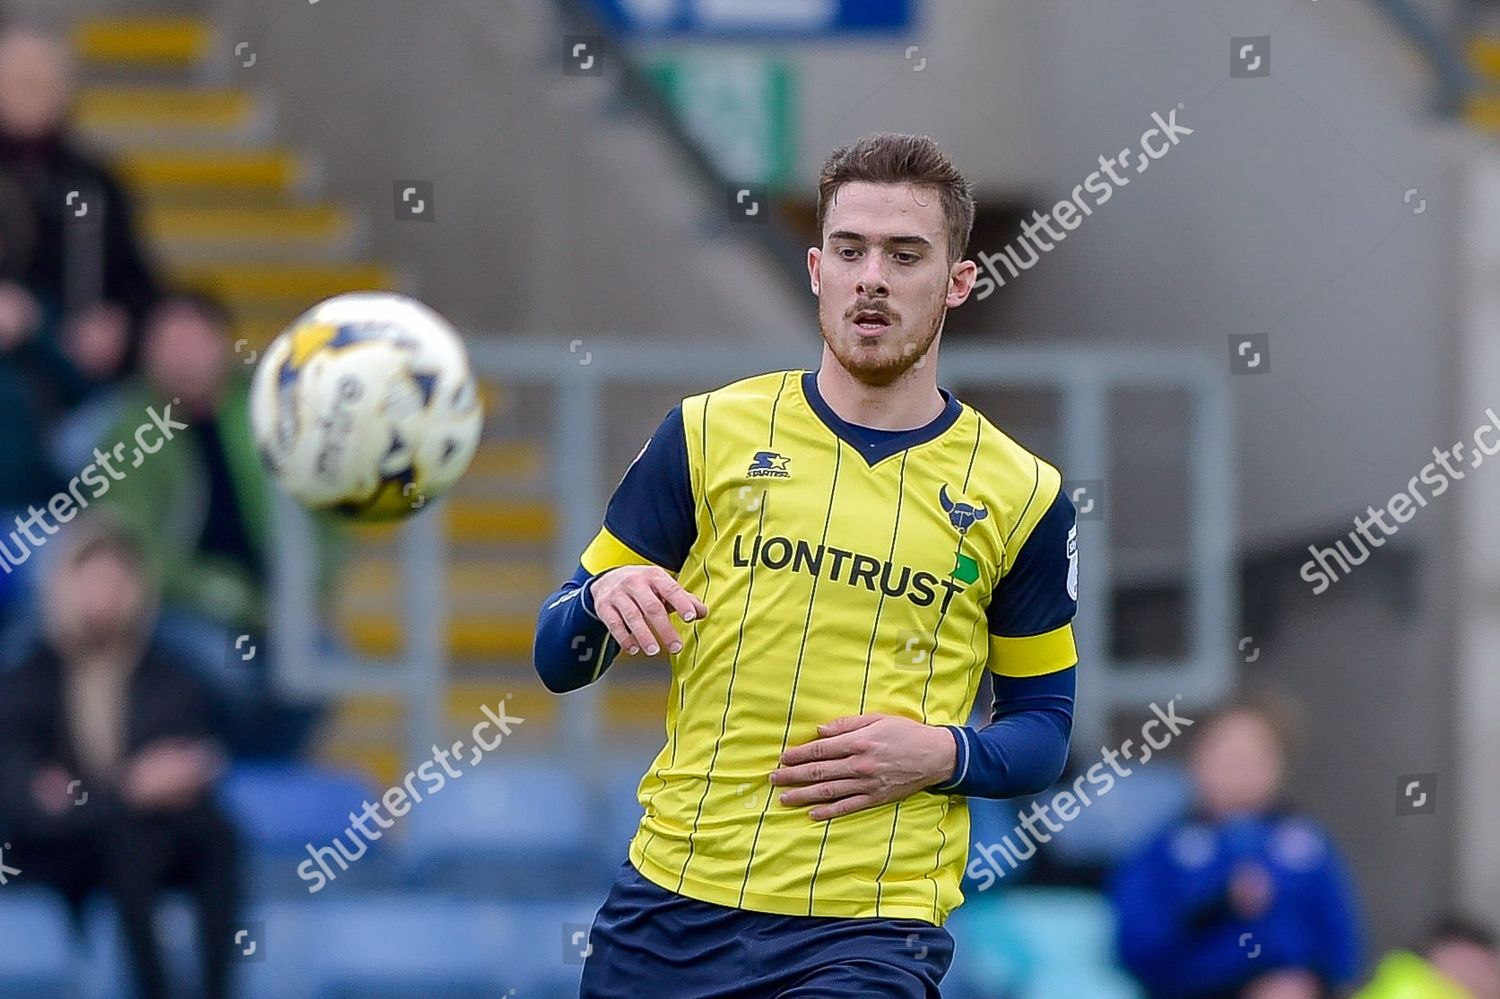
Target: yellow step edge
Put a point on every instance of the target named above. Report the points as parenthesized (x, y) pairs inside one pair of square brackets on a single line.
[(156, 171), (515, 459), (461, 704), (113, 107), (368, 579), (1483, 113), (1484, 55), (501, 521), (486, 637), (309, 283), (289, 223), (380, 763), (142, 41), (495, 520)]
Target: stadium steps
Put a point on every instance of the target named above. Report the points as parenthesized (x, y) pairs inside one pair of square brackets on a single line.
[(126, 115), (229, 208), (1483, 109), (225, 177), (165, 42), (302, 233)]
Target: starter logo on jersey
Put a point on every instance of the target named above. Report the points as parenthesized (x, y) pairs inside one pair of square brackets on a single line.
[(963, 515), (769, 465)]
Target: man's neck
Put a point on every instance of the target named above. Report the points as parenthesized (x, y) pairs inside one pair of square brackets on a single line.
[(911, 401)]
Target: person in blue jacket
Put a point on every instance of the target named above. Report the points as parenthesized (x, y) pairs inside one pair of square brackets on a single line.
[(1244, 897)]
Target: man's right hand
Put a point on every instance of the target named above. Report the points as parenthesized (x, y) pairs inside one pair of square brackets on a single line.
[(633, 601)]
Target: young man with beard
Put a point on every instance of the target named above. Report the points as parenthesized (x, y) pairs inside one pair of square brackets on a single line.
[(109, 758), (869, 547)]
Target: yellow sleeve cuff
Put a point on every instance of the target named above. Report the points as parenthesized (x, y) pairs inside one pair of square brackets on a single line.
[(608, 552), (1034, 655)]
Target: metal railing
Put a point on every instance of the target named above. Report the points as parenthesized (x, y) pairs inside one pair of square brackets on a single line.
[(1082, 379)]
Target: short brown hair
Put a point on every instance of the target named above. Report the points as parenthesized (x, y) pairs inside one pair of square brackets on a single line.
[(891, 158)]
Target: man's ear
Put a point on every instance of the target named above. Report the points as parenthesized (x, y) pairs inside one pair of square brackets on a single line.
[(961, 278), (814, 268)]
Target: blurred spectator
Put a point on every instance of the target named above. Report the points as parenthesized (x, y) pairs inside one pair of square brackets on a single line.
[(1245, 897), (87, 258), (108, 760), (204, 503), (1467, 953), (1459, 960), (39, 384)]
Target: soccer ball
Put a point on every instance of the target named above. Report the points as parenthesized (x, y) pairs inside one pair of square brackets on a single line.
[(366, 406)]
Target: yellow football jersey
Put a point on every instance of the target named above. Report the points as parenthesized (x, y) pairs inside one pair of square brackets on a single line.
[(846, 571)]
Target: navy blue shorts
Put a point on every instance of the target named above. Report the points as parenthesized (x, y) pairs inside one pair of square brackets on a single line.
[(647, 941)]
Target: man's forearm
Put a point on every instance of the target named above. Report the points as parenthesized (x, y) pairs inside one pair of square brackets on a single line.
[(1024, 750), (572, 647)]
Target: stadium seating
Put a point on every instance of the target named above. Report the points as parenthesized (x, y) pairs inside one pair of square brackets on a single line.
[(39, 956), (416, 947), (282, 808), (1036, 943), (519, 831), (1120, 822), (104, 944)]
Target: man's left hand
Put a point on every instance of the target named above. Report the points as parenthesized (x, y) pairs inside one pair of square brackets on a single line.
[(863, 761)]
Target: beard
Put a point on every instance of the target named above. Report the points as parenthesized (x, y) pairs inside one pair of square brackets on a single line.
[(889, 357)]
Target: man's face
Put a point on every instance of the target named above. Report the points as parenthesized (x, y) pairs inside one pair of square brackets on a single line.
[(883, 279), (187, 354), (1237, 765), (35, 85), (100, 599)]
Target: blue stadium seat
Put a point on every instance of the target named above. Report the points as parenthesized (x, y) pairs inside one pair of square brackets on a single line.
[(1095, 983), (286, 805), (546, 957), (1120, 822), (1036, 943), (989, 957), (107, 965), (281, 808), (1062, 927), (519, 830), (616, 789), (40, 958), (391, 946)]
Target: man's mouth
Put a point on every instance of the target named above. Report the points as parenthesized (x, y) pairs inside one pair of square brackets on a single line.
[(871, 321)]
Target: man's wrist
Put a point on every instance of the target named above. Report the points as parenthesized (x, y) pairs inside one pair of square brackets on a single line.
[(954, 775), (587, 597)]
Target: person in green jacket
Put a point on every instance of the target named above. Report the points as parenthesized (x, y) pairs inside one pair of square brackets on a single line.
[(203, 499)]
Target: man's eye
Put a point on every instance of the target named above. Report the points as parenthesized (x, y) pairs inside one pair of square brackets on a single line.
[(906, 257), (848, 252)]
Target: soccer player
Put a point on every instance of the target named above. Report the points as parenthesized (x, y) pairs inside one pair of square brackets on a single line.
[(847, 551)]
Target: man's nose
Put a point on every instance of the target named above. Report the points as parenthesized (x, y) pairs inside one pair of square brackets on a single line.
[(872, 283)]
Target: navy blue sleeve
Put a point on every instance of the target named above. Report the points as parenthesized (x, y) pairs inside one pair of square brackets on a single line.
[(1039, 593), (572, 647), (1025, 747), (652, 508), (651, 512)]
